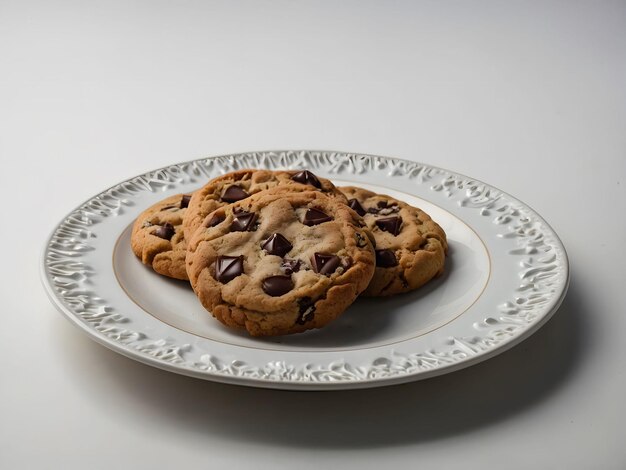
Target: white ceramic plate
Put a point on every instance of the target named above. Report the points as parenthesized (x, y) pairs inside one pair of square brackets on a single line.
[(507, 273)]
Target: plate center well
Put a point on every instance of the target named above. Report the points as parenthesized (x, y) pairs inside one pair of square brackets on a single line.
[(369, 322)]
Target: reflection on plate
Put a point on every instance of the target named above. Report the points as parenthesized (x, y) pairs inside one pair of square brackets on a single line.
[(506, 273)]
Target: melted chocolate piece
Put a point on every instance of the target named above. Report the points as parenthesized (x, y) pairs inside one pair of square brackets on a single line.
[(386, 258), (233, 194), (356, 207), (244, 222), (361, 241), (165, 231), (277, 245), (216, 219), (384, 208), (324, 263), (315, 217), (184, 202), (290, 266), (346, 262), (228, 268), (306, 177), (276, 286), (390, 224), (389, 210), (307, 310)]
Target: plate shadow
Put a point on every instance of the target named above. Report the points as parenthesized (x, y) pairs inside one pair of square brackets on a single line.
[(437, 408)]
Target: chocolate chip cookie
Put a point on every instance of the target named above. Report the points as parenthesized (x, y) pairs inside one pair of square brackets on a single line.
[(239, 185), (280, 262), (410, 247), (157, 237)]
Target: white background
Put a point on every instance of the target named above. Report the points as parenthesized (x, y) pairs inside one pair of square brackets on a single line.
[(527, 96)]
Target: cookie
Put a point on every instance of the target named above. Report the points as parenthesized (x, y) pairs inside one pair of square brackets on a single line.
[(280, 262), (410, 247), (157, 238), (239, 185)]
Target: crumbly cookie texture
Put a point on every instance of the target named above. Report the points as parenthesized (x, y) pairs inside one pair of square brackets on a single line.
[(157, 238), (280, 262), (239, 185), (410, 247)]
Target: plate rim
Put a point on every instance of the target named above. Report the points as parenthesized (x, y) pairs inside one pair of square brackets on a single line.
[(282, 383)]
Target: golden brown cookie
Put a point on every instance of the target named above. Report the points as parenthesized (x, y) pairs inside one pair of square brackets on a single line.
[(280, 262), (238, 185), (157, 237), (410, 247)]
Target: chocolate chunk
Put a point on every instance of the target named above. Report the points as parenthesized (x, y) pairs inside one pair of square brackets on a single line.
[(372, 210), (277, 245), (244, 222), (384, 208), (228, 268), (184, 202), (307, 310), (234, 194), (356, 207), (165, 231), (360, 240), (290, 266), (386, 258), (216, 219), (277, 285), (324, 263), (389, 210), (315, 217), (390, 224), (306, 177)]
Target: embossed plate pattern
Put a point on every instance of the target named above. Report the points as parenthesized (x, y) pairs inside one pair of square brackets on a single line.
[(507, 274)]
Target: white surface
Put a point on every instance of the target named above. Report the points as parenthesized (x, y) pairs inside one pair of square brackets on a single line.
[(494, 90)]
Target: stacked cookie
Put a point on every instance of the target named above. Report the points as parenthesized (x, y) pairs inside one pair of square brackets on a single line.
[(280, 252)]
